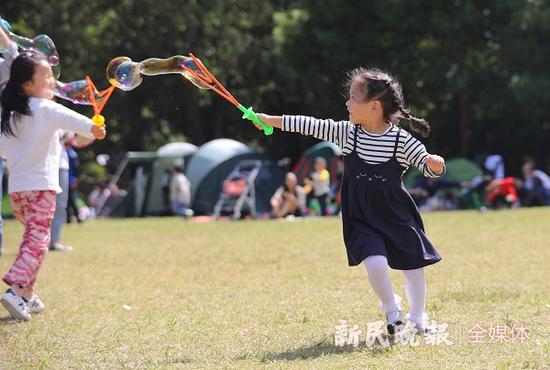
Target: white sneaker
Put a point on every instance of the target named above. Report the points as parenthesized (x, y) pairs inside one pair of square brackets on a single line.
[(35, 305), (58, 247), (16, 305), (421, 326), (394, 319), (424, 330), (394, 322)]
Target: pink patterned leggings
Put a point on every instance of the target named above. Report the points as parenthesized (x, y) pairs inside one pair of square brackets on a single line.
[(35, 210)]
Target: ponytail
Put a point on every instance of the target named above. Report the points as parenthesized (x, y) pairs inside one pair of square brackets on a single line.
[(12, 101), (418, 125)]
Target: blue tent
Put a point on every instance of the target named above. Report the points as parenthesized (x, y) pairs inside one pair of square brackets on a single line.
[(214, 161)]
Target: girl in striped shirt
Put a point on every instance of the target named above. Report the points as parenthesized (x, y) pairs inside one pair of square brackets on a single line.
[(381, 223)]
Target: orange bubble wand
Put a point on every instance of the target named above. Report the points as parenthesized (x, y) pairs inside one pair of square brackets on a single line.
[(126, 74), (208, 78), (97, 118)]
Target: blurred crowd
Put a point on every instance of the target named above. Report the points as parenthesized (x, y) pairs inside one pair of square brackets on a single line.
[(492, 189), (317, 194)]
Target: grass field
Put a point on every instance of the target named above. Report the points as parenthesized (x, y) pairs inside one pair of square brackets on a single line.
[(165, 293)]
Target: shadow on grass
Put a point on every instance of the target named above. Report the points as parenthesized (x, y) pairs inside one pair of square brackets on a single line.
[(324, 348), (8, 320), (179, 360)]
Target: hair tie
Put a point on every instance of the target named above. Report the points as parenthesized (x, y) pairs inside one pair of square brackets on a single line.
[(405, 113)]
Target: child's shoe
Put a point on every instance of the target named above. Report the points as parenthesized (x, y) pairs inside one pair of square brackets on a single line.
[(394, 319), (35, 305), (394, 322), (58, 247), (421, 326), (16, 305)]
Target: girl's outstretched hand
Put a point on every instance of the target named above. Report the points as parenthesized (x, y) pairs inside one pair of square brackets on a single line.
[(436, 163), (274, 121), (99, 132)]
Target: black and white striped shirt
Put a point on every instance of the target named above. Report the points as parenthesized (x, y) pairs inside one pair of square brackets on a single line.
[(372, 148)]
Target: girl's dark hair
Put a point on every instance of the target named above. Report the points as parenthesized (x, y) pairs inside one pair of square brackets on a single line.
[(379, 85), (13, 98)]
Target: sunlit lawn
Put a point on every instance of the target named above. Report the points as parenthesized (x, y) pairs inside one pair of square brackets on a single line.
[(166, 293)]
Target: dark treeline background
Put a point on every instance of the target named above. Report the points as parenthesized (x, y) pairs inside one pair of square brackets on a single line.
[(477, 70)]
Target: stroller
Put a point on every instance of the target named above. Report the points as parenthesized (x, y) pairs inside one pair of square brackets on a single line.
[(239, 193)]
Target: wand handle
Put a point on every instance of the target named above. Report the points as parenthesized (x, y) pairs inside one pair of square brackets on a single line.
[(98, 120), (250, 115)]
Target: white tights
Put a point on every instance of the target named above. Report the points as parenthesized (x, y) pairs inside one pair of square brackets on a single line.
[(415, 287)]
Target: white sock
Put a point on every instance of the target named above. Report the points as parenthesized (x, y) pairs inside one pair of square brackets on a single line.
[(415, 286), (379, 279)]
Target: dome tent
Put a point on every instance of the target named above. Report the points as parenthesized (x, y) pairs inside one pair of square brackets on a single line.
[(325, 149), (214, 161), (168, 156), (457, 169), (177, 149), (144, 175)]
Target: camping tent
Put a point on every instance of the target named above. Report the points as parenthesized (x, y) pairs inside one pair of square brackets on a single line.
[(214, 161), (168, 156), (457, 169), (176, 149), (145, 175), (327, 150)]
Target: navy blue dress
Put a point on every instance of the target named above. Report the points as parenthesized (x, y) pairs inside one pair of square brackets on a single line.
[(379, 215)]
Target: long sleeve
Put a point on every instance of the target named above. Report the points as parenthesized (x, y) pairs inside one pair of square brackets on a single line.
[(324, 129), (415, 153), (66, 119), (370, 147), (9, 54)]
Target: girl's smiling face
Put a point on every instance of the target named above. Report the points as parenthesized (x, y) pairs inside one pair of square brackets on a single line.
[(360, 109), (42, 83)]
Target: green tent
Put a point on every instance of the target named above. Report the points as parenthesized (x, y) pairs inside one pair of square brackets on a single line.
[(214, 161), (325, 149), (144, 175), (132, 176), (458, 169), (168, 156)]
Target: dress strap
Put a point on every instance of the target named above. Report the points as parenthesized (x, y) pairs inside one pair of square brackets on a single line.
[(355, 138), (396, 141)]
